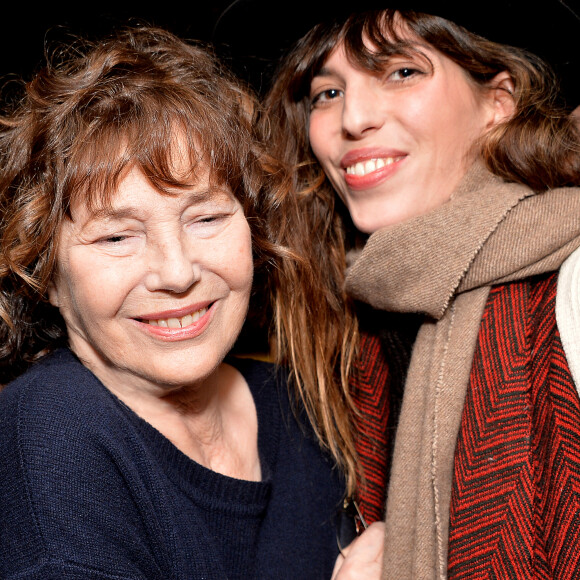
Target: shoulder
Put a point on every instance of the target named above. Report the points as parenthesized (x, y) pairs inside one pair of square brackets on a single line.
[(57, 393), (57, 422), (521, 314), (70, 465), (530, 295), (57, 371)]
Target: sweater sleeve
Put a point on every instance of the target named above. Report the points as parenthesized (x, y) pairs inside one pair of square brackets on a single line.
[(71, 505)]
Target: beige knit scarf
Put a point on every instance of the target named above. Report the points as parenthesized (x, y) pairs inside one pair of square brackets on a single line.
[(443, 264)]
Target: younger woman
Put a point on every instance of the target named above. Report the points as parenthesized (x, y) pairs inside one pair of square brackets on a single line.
[(443, 168)]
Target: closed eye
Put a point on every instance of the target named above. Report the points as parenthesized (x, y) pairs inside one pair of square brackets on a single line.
[(122, 244), (114, 239), (209, 225)]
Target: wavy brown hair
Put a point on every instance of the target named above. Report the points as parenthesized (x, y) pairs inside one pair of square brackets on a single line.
[(538, 146), (94, 112)]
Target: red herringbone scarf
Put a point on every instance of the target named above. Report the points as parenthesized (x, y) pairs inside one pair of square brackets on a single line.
[(370, 393), (377, 388), (515, 506)]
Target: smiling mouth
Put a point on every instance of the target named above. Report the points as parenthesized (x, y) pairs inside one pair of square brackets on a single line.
[(181, 322), (365, 167)]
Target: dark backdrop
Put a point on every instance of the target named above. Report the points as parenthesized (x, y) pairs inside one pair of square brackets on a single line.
[(25, 31)]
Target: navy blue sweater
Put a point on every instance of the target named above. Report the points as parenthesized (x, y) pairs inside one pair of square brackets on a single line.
[(90, 490)]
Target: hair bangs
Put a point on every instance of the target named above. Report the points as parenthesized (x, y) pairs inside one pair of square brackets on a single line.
[(165, 138), (369, 40)]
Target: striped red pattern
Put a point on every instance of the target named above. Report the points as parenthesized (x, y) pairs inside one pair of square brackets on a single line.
[(515, 506), (369, 389)]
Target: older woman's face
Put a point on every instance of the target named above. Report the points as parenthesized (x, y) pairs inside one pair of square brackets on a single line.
[(395, 146), (155, 289)]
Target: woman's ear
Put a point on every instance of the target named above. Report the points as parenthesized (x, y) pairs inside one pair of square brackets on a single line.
[(53, 294), (501, 98)]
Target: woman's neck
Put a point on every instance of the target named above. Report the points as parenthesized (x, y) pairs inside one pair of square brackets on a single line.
[(214, 423)]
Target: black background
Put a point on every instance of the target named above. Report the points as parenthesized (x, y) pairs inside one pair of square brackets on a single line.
[(26, 31), (252, 34)]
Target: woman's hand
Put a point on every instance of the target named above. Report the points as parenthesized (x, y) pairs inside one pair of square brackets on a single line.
[(363, 559)]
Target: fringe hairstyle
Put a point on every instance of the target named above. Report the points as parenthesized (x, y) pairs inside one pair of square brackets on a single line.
[(538, 146), (88, 117)]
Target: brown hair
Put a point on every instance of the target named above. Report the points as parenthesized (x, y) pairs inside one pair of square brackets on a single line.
[(538, 146), (82, 123)]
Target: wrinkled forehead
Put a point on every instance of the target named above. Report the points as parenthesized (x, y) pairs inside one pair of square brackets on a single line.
[(173, 165), (137, 196)]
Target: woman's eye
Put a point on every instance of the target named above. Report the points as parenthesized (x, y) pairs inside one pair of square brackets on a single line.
[(116, 239), (208, 220), (209, 225), (118, 244), (326, 96), (403, 73)]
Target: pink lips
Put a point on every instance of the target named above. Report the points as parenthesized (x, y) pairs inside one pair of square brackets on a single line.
[(176, 334), (374, 178)]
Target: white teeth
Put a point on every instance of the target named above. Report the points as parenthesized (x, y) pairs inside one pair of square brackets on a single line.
[(366, 167), (182, 322)]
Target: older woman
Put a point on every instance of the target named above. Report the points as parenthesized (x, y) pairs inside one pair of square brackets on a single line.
[(133, 208), (448, 165)]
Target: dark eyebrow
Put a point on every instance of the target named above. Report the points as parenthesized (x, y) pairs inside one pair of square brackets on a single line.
[(323, 72), (411, 51)]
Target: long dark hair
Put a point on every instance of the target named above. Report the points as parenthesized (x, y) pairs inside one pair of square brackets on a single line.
[(539, 146)]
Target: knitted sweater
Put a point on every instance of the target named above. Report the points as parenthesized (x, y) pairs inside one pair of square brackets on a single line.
[(90, 490)]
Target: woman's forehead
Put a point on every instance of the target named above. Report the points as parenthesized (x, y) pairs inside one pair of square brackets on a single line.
[(372, 58), (197, 184)]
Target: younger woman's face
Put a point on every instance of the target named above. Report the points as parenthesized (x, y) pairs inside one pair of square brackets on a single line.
[(395, 146)]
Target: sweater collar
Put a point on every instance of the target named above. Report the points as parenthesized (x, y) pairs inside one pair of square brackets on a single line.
[(488, 232)]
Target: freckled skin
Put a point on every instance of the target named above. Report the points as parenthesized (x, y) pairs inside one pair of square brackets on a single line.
[(154, 253)]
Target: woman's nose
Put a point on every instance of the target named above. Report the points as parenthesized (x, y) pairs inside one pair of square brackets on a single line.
[(172, 267), (362, 112)]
